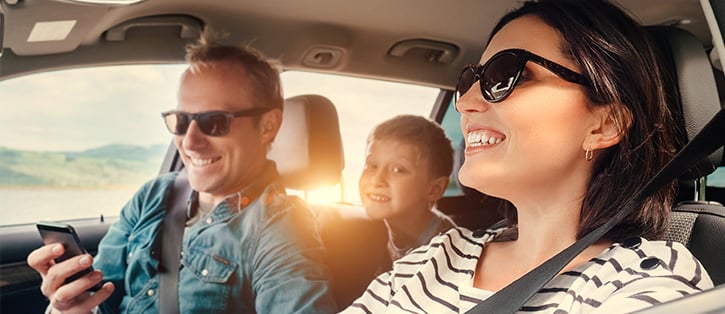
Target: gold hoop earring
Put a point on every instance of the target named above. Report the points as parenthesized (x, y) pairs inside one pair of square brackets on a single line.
[(589, 154)]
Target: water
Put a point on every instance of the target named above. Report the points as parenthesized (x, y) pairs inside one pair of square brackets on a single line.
[(23, 205), (19, 206)]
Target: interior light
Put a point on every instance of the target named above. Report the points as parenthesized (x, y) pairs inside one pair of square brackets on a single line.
[(51, 30), (678, 22), (108, 2)]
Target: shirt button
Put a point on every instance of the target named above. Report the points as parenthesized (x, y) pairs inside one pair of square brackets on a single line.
[(479, 233), (649, 263), (632, 243), (209, 220), (130, 255), (151, 292), (204, 272)]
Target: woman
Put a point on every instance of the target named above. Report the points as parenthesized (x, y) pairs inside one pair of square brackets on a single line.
[(567, 118)]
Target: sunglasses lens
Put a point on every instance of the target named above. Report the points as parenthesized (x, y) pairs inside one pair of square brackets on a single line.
[(214, 123), (466, 80), (177, 122), (500, 76)]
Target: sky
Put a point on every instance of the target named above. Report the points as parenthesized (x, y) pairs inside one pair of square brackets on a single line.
[(80, 109), (74, 110)]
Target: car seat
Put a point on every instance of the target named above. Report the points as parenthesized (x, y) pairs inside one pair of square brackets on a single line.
[(697, 223), (308, 147)]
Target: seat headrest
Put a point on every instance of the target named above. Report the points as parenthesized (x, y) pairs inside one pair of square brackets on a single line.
[(697, 89), (308, 148)]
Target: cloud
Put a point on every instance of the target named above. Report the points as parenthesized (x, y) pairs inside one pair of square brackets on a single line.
[(85, 108)]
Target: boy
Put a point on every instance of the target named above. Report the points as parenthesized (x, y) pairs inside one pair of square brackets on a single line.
[(407, 166)]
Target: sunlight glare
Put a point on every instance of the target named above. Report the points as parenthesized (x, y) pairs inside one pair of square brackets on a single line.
[(324, 195)]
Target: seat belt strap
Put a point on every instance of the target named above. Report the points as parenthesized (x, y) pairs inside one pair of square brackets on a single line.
[(179, 204), (171, 234), (512, 297)]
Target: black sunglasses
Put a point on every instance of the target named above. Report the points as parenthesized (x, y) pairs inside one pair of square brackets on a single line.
[(212, 123), (499, 75)]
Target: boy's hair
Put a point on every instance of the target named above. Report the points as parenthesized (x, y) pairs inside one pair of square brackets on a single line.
[(426, 135)]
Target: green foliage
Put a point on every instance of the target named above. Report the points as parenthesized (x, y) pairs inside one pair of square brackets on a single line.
[(107, 166)]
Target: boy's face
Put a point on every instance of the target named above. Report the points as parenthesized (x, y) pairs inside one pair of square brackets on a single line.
[(396, 181)]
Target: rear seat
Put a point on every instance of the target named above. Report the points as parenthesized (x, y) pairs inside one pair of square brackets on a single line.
[(355, 249)]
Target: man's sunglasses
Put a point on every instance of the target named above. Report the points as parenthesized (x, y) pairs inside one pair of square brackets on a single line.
[(499, 75), (212, 123)]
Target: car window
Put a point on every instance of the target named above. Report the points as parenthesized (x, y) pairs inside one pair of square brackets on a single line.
[(717, 178), (78, 143), (451, 123)]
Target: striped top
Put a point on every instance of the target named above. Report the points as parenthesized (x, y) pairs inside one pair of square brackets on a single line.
[(627, 276)]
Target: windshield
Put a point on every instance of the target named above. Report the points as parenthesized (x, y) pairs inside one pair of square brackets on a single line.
[(78, 143)]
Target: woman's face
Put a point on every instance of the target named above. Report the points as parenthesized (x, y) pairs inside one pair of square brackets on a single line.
[(538, 133)]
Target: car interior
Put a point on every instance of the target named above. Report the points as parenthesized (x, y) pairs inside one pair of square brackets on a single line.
[(402, 41), (693, 220)]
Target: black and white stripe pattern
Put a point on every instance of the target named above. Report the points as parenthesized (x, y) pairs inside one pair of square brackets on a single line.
[(621, 279)]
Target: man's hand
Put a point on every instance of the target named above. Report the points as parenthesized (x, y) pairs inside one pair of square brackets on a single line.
[(72, 297)]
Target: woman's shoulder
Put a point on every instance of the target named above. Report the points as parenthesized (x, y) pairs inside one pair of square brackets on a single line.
[(626, 276), (636, 258), (458, 247), (664, 256), (633, 274)]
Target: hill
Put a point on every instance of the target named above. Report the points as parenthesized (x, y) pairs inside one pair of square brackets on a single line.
[(106, 166)]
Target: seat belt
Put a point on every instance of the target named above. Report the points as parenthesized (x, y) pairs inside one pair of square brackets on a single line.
[(512, 297), (169, 243)]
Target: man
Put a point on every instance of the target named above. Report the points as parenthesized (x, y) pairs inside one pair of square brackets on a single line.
[(247, 246)]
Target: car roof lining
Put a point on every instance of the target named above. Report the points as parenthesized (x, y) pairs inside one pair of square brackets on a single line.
[(362, 32)]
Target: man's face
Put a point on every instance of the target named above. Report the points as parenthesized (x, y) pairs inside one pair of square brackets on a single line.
[(221, 165)]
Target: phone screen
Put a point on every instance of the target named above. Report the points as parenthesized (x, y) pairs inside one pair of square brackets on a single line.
[(54, 232)]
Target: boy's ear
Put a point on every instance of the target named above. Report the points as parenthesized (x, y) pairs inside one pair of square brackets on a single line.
[(437, 188), (605, 130)]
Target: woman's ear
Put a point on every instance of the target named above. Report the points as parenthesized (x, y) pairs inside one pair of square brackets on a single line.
[(606, 129)]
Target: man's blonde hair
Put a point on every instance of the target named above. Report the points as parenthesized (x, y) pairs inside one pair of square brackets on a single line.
[(263, 73)]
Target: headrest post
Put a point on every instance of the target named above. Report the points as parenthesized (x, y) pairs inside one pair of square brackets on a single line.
[(342, 189), (700, 187)]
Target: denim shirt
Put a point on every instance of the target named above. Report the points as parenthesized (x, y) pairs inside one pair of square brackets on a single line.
[(265, 257)]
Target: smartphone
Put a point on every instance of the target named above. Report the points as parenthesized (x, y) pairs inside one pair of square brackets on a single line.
[(56, 232)]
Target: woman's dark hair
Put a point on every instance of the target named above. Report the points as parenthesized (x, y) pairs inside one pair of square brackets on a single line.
[(619, 59)]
